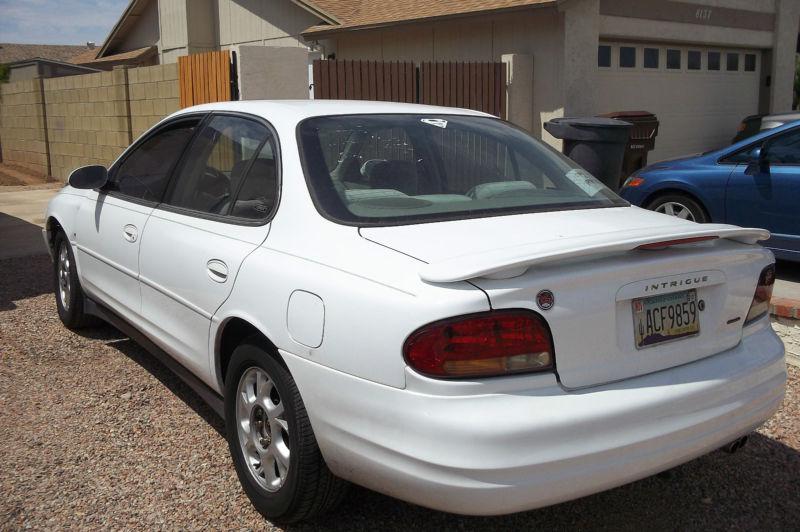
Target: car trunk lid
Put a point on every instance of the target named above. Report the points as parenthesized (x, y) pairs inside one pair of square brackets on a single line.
[(595, 265)]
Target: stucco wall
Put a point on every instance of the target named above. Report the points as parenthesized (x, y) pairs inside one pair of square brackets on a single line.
[(274, 73), (22, 129), (537, 33), (262, 22), (154, 94)]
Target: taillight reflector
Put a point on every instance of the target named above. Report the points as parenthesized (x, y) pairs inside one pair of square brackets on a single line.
[(760, 305), (481, 345)]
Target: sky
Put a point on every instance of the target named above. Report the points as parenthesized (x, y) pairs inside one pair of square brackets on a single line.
[(58, 21)]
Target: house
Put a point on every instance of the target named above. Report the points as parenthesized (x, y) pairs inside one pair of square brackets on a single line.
[(27, 61), (699, 65)]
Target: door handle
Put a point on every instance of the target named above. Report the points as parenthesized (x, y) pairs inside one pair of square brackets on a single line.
[(130, 233), (217, 270)]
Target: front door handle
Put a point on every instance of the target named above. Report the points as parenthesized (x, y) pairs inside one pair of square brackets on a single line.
[(130, 233), (217, 270)]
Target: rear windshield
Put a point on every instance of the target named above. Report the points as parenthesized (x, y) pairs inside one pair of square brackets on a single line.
[(397, 169)]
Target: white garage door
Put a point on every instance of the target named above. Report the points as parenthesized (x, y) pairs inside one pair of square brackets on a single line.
[(699, 94)]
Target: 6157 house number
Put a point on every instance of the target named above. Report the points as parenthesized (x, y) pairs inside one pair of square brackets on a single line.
[(702, 14)]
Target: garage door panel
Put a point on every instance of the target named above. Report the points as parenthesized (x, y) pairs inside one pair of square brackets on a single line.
[(698, 110)]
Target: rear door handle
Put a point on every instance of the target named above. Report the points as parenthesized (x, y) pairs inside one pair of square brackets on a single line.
[(130, 233), (217, 270)]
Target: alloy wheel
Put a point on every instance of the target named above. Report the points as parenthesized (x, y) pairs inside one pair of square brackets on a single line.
[(673, 208), (64, 283), (262, 429)]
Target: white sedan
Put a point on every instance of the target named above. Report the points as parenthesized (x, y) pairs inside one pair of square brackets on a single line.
[(424, 301)]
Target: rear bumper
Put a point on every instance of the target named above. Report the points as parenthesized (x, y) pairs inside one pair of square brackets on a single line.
[(506, 452)]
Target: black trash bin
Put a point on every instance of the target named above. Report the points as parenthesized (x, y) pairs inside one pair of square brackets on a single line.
[(597, 144), (642, 139)]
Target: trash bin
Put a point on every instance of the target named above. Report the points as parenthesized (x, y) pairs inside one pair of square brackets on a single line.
[(642, 140), (597, 144)]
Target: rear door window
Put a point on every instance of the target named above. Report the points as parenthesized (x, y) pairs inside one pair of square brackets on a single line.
[(216, 164)]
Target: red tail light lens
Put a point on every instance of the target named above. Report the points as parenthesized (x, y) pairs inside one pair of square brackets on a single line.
[(760, 305), (481, 345)]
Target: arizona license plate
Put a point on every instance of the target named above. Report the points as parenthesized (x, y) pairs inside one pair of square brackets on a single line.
[(664, 318)]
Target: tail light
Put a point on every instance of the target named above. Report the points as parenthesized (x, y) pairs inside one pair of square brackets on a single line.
[(760, 305), (481, 345)]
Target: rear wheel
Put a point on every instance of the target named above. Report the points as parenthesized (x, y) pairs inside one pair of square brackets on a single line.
[(271, 441), (680, 206)]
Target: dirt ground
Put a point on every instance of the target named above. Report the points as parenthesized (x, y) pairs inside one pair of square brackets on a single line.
[(13, 175), (96, 434)]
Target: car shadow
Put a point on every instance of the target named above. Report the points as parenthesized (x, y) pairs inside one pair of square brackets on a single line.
[(116, 339), (24, 277)]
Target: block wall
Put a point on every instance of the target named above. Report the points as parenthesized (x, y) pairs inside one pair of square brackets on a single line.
[(57, 125), (87, 120), (22, 126), (154, 94)]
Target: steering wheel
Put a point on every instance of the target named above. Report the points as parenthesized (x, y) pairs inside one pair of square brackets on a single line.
[(211, 179)]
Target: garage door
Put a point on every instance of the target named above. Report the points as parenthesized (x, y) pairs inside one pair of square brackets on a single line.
[(699, 94)]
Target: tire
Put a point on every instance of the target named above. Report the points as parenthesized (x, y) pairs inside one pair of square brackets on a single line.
[(680, 205), (67, 286), (290, 489)]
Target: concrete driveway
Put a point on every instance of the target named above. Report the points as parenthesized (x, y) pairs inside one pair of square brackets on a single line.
[(22, 218)]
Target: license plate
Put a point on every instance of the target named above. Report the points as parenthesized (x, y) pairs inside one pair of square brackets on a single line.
[(665, 318)]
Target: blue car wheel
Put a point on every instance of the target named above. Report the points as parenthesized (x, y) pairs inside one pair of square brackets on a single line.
[(679, 205)]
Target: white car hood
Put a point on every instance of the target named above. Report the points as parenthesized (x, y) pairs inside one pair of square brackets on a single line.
[(506, 246)]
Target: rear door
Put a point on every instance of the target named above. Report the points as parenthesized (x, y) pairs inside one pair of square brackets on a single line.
[(768, 198), (215, 213), (109, 227)]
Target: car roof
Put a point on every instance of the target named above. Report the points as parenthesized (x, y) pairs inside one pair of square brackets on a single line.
[(761, 135), (297, 110)]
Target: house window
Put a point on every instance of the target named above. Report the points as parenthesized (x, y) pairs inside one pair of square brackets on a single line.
[(693, 60), (627, 56), (749, 62), (713, 60), (651, 57), (604, 55), (674, 59), (733, 62)]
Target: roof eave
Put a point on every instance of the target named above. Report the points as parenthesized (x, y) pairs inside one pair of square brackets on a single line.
[(317, 11), (113, 33), (326, 32)]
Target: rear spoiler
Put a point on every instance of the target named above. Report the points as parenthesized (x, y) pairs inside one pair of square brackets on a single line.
[(514, 261)]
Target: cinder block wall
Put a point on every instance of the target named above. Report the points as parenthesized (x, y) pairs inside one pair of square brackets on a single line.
[(154, 94), (87, 120), (22, 128)]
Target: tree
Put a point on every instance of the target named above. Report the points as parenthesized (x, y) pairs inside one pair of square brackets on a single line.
[(3, 73)]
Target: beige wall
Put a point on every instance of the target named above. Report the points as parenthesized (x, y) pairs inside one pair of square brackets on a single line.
[(154, 94), (262, 22), (22, 131), (536, 33), (90, 118), (87, 120)]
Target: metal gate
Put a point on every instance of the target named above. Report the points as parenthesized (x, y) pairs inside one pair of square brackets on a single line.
[(479, 86)]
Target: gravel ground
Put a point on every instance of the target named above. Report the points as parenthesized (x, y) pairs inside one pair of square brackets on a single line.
[(97, 434)]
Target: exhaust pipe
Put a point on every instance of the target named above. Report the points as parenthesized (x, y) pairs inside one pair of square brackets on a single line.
[(735, 445)]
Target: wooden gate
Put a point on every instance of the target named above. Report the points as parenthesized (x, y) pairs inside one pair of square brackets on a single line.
[(205, 78), (479, 86), (387, 81)]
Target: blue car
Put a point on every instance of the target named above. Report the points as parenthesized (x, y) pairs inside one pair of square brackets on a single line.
[(753, 183)]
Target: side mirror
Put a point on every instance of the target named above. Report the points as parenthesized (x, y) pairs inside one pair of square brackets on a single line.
[(759, 162), (88, 177)]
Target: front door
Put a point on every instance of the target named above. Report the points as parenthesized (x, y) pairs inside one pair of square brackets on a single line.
[(111, 221), (215, 213), (768, 197)]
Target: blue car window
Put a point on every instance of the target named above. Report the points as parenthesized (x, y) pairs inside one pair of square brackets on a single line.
[(785, 148)]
